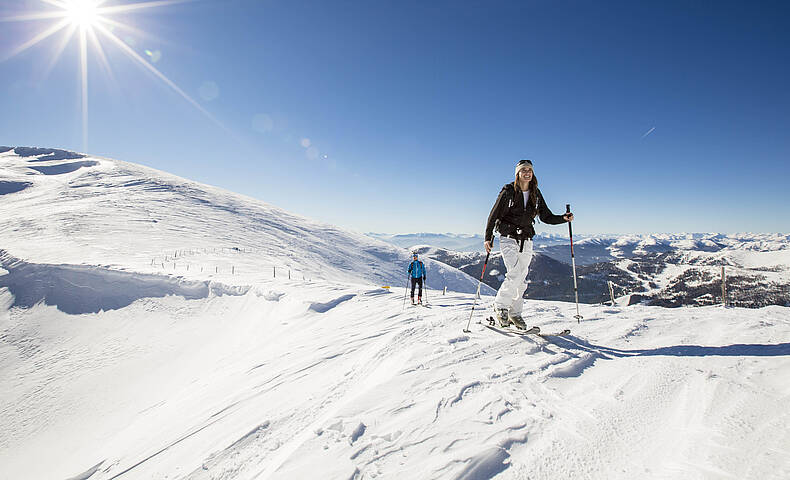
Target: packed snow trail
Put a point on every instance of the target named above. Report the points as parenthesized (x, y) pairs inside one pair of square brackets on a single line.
[(264, 385)]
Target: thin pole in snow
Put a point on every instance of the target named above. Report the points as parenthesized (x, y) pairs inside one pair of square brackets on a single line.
[(578, 316), (485, 264)]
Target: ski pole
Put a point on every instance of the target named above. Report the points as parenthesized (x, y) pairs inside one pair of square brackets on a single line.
[(485, 264), (425, 290), (405, 293), (578, 316)]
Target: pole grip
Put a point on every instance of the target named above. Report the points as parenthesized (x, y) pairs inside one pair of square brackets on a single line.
[(485, 264), (570, 229)]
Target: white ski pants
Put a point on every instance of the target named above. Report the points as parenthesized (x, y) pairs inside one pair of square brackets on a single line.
[(517, 263)]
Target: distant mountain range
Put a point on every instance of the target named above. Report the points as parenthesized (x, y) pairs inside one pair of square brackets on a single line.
[(459, 242), (659, 269)]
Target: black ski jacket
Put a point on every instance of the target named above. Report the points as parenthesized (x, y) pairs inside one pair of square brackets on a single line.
[(512, 219)]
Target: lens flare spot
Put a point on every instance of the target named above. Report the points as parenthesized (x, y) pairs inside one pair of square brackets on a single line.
[(313, 153), (306, 142), (154, 55), (262, 123), (209, 91)]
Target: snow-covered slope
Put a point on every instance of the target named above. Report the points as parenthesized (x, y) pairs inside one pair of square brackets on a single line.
[(62, 207), (301, 380), (114, 368)]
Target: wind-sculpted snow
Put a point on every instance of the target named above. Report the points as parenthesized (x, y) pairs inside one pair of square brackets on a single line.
[(323, 307), (46, 154), (13, 187), (60, 169), (86, 475), (78, 289)]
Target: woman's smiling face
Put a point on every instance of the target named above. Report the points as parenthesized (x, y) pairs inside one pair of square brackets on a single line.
[(525, 176)]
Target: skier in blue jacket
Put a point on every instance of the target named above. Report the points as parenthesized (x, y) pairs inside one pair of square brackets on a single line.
[(417, 274)]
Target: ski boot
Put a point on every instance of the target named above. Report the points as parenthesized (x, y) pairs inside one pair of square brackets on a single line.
[(419, 300), (517, 321), (502, 316)]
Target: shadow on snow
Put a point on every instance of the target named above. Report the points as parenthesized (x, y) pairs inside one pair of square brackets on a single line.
[(735, 350)]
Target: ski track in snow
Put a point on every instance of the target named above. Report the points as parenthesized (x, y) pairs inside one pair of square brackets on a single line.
[(112, 368)]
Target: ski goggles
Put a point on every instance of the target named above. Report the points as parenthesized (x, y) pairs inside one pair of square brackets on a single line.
[(524, 162)]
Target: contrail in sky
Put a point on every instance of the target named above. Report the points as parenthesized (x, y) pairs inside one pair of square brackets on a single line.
[(648, 132)]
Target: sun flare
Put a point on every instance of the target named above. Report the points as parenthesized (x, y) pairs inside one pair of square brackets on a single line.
[(82, 13), (91, 23)]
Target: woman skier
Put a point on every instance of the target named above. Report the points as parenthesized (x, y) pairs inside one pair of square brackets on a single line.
[(513, 216)]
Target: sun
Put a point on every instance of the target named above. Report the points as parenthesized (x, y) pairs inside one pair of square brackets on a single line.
[(91, 22), (82, 13)]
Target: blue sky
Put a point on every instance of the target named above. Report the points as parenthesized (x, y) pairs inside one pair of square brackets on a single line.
[(409, 116)]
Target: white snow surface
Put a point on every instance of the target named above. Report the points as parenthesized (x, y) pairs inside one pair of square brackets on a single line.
[(110, 368), (133, 218)]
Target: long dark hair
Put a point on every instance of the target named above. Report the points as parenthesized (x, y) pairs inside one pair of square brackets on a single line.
[(533, 189)]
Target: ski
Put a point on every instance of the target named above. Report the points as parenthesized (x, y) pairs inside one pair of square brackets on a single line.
[(491, 323), (563, 333)]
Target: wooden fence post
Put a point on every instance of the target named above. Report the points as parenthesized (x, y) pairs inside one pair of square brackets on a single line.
[(723, 287), (611, 292)]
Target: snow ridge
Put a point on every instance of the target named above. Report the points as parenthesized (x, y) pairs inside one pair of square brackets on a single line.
[(59, 211)]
